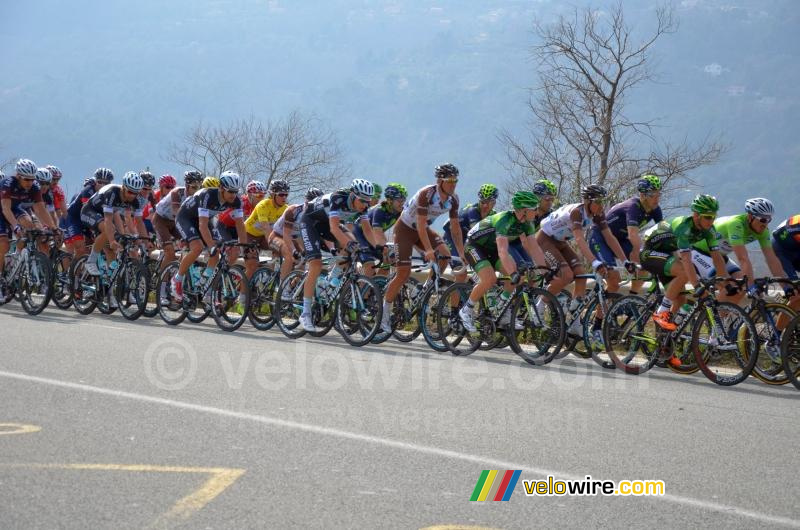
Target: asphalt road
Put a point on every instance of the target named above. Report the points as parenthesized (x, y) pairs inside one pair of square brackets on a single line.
[(111, 424)]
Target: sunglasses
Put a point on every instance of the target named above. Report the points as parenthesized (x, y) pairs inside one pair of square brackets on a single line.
[(226, 190), (28, 180), (547, 197), (707, 217), (450, 180), (764, 220), (168, 187), (284, 195), (487, 201)]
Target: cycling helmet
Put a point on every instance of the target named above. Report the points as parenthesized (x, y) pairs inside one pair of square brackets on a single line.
[(104, 175), (230, 180), (648, 183), (363, 188), (488, 191), (445, 171), (55, 171), (167, 180), (394, 191), (312, 193), (133, 181), (593, 191), (211, 182), (148, 179), (378, 191), (256, 186), (759, 207), (26, 168), (279, 186), (192, 176), (43, 176), (705, 204), (544, 187), (524, 199), (89, 181), (2, 175)]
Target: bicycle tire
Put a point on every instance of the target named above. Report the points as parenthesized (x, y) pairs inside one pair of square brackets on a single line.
[(36, 280), (598, 355), (768, 369), (359, 310), (226, 290), (61, 293), (287, 312), (790, 352), (263, 286), (82, 286), (170, 310), (733, 364), (630, 336), (133, 274), (543, 330)]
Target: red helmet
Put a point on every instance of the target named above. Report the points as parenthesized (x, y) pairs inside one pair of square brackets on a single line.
[(167, 180)]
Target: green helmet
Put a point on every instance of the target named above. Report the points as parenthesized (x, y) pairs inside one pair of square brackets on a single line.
[(488, 191), (648, 183), (395, 190), (544, 187), (705, 204), (524, 199), (378, 191)]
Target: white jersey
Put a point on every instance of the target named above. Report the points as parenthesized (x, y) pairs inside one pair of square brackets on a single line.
[(560, 223), (428, 201), (164, 206)]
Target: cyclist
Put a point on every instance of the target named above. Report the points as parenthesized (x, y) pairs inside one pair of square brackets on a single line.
[(166, 183), (376, 196), (284, 238), (75, 235), (733, 233), (45, 179), (15, 193), (569, 222), (59, 199), (107, 212), (193, 219), (382, 218), (165, 210), (140, 224), (471, 214), (626, 220), (786, 244), (413, 230), (547, 193), (488, 250), (224, 223), (259, 222), (679, 234), (321, 221)]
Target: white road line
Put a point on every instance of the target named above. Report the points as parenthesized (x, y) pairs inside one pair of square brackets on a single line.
[(386, 442)]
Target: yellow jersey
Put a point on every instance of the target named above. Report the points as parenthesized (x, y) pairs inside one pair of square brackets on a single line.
[(264, 215)]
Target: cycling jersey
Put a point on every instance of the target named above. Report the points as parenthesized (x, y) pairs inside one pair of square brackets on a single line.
[(21, 199), (315, 222), (109, 200), (428, 201), (485, 233), (78, 200), (560, 223), (152, 201), (732, 231), (379, 216), (208, 203), (678, 233), (469, 216), (58, 196), (264, 215), (164, 206), (788, 233), (226, 217), (290, 217), (630, 213)]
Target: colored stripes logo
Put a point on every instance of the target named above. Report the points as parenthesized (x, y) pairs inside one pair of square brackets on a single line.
[(494, 485)]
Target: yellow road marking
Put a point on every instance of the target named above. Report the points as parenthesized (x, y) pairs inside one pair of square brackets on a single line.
[(221, 478), (18, 428)]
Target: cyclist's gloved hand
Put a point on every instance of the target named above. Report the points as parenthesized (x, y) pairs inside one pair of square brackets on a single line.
[(629, 266), (18, 230), (731, 289), (699, 290), (753, 290), (789, 291), (598, 265), (296, 255)]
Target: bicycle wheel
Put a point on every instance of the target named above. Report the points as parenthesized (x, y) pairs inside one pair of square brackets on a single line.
[(131, 288), (61, 293), (597, 351), (226, 291), (287, 312), (169, 309), (36, 284), (790, 352), (630, 336), (428, 319), (263, 286), (725, 344), (449, 328), (358, 315), (153, 275), (769, 366), (681, 347), (543, 330), (404, 321), (82, 286)]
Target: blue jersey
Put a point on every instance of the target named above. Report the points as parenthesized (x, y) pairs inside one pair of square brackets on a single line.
[(21, 199), (630, 213)]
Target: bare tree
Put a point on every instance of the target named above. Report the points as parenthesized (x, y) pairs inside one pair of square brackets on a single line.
[(578, 131), (300, 149)]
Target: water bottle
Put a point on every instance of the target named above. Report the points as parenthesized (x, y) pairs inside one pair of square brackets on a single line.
[(101, 261), (208, 272), (194, 272), (682, 313), (322, 288), (335, 277)]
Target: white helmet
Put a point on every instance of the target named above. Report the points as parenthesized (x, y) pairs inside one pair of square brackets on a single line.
[(230, 180), (55, 171), (26, 168), (133, 181), (256, 186), (760, 207), (362, 188), (43, 176)]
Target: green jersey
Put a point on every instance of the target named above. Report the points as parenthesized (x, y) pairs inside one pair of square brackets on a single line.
[(485, 233), (678, 233), (732, 231)]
